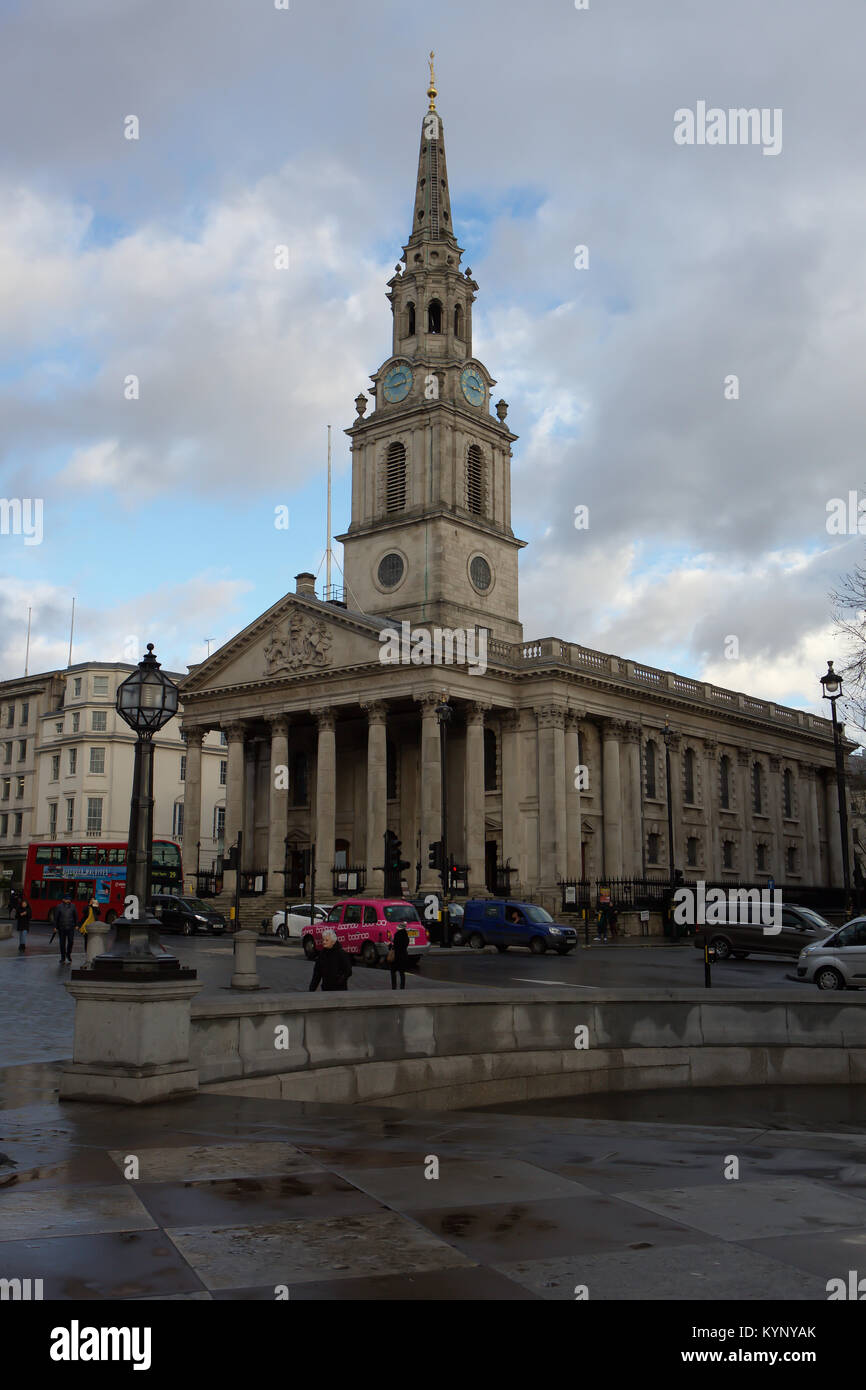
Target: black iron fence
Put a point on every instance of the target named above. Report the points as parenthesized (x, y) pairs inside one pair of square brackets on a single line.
[(642, 894)]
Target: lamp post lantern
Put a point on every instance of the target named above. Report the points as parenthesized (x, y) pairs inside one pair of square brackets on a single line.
[(832, 687), (146, 701)]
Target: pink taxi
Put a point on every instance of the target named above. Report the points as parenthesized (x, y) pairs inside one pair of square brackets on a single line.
[(365, 926)]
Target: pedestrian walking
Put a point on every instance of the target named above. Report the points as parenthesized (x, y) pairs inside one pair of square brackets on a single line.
[(333, 965), (65, 922), (612, 920), (398, 957), (23, 913), (601, 923)]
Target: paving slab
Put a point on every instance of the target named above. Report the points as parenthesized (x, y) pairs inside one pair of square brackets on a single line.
[(740, 1210)]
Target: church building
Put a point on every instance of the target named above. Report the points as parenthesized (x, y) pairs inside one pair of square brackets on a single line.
[(555, 753)]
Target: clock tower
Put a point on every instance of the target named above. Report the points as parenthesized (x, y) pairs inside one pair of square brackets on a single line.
[(430, 539)]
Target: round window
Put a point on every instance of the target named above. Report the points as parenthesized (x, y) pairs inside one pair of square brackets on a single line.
[(479, 573), (390, 570)]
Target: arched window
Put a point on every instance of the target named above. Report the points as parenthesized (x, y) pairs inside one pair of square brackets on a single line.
[(395, 478), (757, 803), (490, 778), (652, 848), (434, 316), (725, 782), (298, 777), (458, 321), (651, 752), (788, 792), (475, 480), (390, 771), (410, 319), (690, 775)]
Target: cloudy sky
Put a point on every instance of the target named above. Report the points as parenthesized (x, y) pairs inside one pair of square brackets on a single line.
[(260, 126)]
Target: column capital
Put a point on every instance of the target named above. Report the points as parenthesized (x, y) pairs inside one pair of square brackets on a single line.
[(612, 727), (551, 716), (509, 719), (326, 720), (775, 762), (711, 747), (630, 732), (194, 734), (476, 711), (376, 711), (235, 732), (279, 723), (574, 716), (428, 700), (744, 756)]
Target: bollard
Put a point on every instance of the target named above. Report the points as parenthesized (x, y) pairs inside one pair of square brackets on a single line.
[(245, 974), (94, 942)]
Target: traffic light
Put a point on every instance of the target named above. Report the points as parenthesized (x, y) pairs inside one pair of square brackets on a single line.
[(394, 853), (434, 855)]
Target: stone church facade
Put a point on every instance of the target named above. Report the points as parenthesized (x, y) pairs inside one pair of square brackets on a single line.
[(555, 753)]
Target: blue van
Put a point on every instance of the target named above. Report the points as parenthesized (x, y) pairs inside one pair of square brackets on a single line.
[(501, 922)]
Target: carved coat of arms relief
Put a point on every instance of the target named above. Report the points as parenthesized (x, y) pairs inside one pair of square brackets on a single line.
[(301, 643)]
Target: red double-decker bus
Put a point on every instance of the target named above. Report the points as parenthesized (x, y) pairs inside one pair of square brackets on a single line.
[(94, 869)]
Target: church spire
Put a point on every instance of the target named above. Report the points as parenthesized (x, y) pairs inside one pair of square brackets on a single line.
[(431, 221), (431, 90)]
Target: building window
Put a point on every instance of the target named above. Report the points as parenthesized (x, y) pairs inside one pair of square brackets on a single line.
[(475, 480), (728, 854), (479, 573), (390, 570), (757, 799), (7, 754), (651, 751), (689, 774), (691, 851), (6, 791), (652, 848), (18, 824), (55, 767), (390, 771), (761, 853), (395, 478), (97, 760), (410, 319), (219, 823), (52, 818), (183, 767), (100, 685), (491, 771), (19, 789), (725, 782), (99, 721), (25, 712), (223, 740), (791, 860), (73, 761), (434, 316), (788, 792), (76, 686), (70, 814), (76, 723), (223, 770), (4, 826), (177, 830), (94, 815), (458, 321), (10, 716), (298, 779)]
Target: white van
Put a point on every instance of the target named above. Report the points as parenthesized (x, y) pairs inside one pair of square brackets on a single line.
[(838, 962)]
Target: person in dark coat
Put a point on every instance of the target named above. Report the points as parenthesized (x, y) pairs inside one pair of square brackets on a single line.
[(23, 913), (400, 953), (333, 965), (65, 921)]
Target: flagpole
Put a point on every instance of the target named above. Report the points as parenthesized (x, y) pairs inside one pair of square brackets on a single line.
[(71, 630), (27, 651), (328, 537)]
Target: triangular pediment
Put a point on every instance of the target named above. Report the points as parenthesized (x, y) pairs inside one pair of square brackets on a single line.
[(299, 636)]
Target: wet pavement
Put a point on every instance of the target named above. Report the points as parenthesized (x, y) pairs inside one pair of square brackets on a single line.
[(228, 1198)]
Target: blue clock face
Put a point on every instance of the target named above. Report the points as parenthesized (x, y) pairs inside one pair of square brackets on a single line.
[(398, 382), (472, 385)]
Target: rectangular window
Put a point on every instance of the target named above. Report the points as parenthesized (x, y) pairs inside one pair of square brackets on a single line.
[(4, 825), (76, 686), (178, 820), (183, 767), (97, 760), (22, 750), (19, 789), (70, 814), (7, 753), (55, 766), (10, 716), (219, 823), (652, 850), (6, 791), (76, 721), (728, 854), (19, 823), (691, 850), (25, 712), (52, 818), (99, 721), (100, 685), (223, 770), (73, 761), (58, 727), (94, 815)]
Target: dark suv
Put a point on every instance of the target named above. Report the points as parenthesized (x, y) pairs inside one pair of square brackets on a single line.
[(800, 927), (187, 915)]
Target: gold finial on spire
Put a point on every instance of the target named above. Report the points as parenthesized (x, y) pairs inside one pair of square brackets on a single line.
[(431, 90)]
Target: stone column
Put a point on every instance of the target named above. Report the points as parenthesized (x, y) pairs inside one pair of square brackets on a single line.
[(552, 856), (611, 795), (473, 798), (511, 794), (632, 802), (192, 807), (812, 871), (777, 861), (326, 802), (674, 744), (431, 789), (711, 814), (572, 796), (746, 868), (834, 828), (278, 817), (377, 795), (234, 795)]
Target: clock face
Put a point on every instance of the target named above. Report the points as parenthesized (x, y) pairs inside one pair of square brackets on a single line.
[(398, 382), (472, 385)]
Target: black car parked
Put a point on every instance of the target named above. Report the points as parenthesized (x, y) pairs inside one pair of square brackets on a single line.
[(187, 915)]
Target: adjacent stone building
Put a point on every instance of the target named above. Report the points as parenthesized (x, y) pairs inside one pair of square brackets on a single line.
[(556, 753)]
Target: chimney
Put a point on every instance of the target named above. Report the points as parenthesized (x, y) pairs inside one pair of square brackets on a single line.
[(305, 584)]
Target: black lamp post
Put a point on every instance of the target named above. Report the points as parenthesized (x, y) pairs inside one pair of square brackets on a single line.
[(832, 685), (444, 713), (146, 701)]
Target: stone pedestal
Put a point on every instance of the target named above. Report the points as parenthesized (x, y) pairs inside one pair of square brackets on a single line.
[(94, 941), (131, 1042), (245, 973)]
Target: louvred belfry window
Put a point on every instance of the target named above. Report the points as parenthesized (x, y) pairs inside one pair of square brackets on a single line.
[(395, 479), (475, 480)]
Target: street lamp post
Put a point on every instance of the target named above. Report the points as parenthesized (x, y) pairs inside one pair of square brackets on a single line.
[(146, 701), (444, 713), (832, 685)]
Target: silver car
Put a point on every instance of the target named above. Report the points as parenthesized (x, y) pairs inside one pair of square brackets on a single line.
[(838, 962)]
